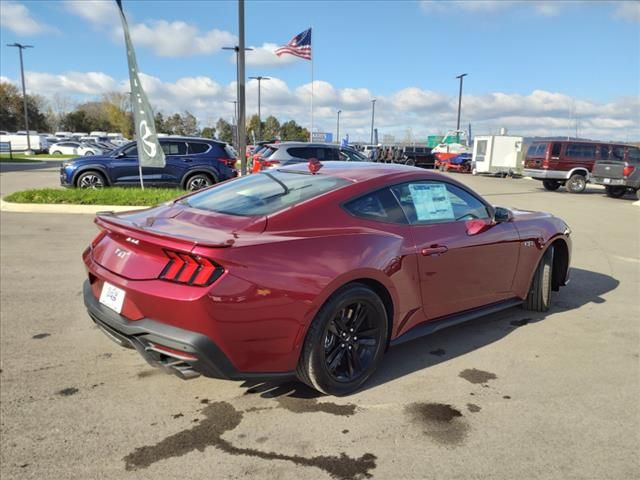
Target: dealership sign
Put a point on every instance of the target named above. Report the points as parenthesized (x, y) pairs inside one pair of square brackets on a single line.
[(322, 137)]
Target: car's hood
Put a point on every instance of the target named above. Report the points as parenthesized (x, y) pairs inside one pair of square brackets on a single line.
[(84, 160)]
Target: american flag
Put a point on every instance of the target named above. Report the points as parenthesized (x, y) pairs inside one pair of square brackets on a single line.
[(300, 46)]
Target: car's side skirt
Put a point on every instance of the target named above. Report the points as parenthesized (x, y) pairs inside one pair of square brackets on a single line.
[(432, 326)]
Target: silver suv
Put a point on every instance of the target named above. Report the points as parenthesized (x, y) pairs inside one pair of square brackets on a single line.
[(288, 153)]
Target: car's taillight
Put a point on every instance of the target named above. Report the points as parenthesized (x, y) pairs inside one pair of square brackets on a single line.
[(229, 162), (99, 237), (627, 170), (269, 163), (190, 269), (547, 154)]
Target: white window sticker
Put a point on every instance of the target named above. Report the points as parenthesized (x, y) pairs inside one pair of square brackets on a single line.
[(431, 201)]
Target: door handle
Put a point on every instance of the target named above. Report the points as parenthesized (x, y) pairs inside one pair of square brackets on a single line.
[(435, 250), (187, 160)]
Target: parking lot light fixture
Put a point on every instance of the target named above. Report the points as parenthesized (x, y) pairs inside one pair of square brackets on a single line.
[(259, 78), (21, 47), (461, 77), (373, 116), (338, 128), (240, 126)]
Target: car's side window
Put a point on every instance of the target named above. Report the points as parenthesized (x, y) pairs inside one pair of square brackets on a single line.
[(302, 152), (330, 153), (196, 148), (604, 152), (132, 151), (174, 148), (380, 205), (617, 153), (438, 202)]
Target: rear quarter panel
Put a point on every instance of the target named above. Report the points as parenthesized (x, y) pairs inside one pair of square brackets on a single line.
[(537, 232)]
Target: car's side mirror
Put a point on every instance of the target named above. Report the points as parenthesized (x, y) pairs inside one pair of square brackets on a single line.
[(502, 215), (119, 155)]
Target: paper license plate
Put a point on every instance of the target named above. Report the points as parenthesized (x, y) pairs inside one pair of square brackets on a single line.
[(112, 297)]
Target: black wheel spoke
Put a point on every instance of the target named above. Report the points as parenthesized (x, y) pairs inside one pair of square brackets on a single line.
[(355, 359), (366, 342), (371, 332), (360, 317), (350, 365), (334, 353), (334, 329), (336, 359)]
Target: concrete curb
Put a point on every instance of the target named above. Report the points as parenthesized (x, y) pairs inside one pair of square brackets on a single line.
[(62, 208)]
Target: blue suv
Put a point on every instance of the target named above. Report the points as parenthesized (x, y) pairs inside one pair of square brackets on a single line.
[(191, 163)]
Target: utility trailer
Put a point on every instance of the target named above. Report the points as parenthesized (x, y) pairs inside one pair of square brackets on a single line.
[(500, 155)]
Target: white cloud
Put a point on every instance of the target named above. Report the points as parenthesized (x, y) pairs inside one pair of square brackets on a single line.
[(4, 79), (628, 10), (265, 56), (164, 38), (16, 17), (71, 83), (424, 112), (179, 39)]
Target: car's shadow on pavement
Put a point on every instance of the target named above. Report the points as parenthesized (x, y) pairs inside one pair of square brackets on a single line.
[(585, 287)]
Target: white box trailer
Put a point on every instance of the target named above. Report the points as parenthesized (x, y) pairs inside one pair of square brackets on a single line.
[(498, 155), (18, 142)]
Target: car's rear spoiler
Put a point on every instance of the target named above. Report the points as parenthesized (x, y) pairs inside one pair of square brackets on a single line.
[(214, 238)]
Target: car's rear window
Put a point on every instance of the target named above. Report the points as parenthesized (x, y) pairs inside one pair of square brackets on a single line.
[(263, 193), (537, 150)]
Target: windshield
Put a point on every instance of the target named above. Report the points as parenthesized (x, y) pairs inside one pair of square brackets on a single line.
[(263, 193)]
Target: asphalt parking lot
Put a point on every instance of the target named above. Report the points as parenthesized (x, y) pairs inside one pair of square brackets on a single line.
[(515, 395)]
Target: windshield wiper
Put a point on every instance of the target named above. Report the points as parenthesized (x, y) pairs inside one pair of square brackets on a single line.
[(279, 182)]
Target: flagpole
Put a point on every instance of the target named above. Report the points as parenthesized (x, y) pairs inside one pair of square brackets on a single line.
[(312, 56)]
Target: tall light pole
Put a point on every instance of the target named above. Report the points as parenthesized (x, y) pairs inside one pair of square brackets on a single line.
[(234, 125), (460, 99), (21, 47), (240, 49), (338, 128), (259, 78), (373, 116)]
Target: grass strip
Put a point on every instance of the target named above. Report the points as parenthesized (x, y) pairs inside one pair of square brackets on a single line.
[(104, 196)]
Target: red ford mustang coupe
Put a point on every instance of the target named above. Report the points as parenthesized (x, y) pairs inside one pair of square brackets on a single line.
[(314, 271)]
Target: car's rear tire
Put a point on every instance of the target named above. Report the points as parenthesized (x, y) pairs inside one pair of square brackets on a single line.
[(539, 297), (577, 183), (551, 185), (198, 182), (91, 179), (410, 161), (616, 192), (345, 342), (87, 153), (56, 152)]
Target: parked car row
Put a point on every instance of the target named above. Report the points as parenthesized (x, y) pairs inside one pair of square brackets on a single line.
[(573, 164)]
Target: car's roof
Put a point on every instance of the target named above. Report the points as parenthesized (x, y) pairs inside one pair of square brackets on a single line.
[(360, 171), (303, 144)]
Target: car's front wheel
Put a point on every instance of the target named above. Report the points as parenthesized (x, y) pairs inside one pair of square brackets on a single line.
[(91, 180), (616, 192), (345, 342), (198, 182), (539, 297)]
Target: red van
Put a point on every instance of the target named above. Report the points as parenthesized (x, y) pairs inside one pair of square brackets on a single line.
[(569, 163)]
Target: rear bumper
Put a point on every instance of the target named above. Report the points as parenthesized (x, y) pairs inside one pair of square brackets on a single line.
[(614, 182), (177, 350)]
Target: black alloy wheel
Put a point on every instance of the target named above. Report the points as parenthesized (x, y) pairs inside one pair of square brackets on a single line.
[(345, 342), (351, 342)]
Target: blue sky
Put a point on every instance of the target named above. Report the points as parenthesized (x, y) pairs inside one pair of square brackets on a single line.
[(561, 60)]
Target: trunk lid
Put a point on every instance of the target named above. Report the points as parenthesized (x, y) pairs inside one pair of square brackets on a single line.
[(134, 244)]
